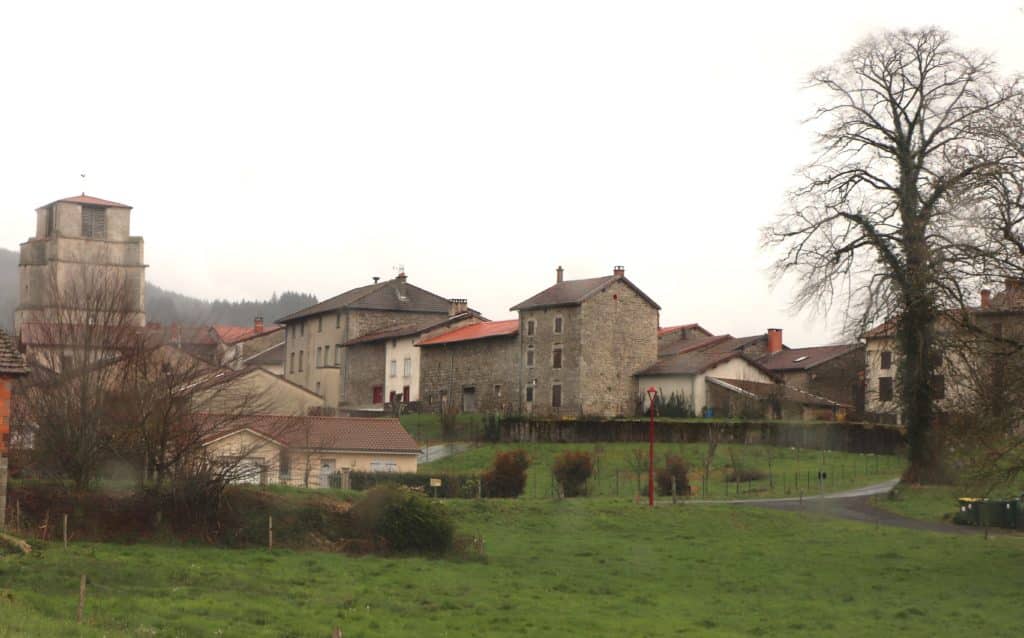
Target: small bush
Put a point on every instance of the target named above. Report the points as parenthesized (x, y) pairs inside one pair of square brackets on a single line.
[(675, 467), (571, 470), (507, 479), (405, 521)]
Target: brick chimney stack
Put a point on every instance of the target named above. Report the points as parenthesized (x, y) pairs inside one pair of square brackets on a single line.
[(986, 299), (619, 272), (558, 274), (257, 324), (774, 340)]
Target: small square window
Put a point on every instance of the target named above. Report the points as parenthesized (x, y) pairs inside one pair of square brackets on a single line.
[(558, 325), (529, 357), (556, 396), (302, 355), (531, 327), (497, 390), (556, 358), (407, 367), (320, 323), (886, 359), (393, 370), (529, 394)]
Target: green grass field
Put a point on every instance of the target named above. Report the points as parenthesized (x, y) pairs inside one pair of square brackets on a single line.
[(787, 471), (425, 427), (593, 567)]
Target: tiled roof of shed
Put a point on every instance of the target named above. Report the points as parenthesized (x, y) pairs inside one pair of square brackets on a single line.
[(484, 330), (576, 291), (692, 362), (12, 363), (356, 434), (778, 391)]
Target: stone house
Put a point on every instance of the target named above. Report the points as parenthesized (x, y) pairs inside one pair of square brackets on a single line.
[(306, 451), (581, 342), (473, 368), (238, 346), (317, 357), (12, 366), (833, 372), (400, 358), (969, 342)]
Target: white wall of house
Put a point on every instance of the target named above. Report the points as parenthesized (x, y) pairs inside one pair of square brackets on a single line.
[(406, 358), (693, 387)]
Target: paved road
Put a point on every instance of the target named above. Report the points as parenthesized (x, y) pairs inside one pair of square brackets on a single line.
[(853, 505), (440, 451)]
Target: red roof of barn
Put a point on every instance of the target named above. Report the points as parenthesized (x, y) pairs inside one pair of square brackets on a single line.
[(484, 330), (88, 201)]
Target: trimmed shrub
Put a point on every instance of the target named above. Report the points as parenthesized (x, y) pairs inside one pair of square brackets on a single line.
[(675, 467), (406, 522), (507, 478), (571, 470)]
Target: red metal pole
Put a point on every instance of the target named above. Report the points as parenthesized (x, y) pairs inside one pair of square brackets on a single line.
[(650, 461)]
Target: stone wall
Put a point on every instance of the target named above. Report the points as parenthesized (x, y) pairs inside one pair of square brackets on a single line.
[(365, 367), (619, 334), (482, 364), (542, 375)]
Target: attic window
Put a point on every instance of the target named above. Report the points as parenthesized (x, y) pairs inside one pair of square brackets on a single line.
[(800, 358)]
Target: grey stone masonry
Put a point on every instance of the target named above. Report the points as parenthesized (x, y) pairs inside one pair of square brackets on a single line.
[(480, 374), (584, 354)]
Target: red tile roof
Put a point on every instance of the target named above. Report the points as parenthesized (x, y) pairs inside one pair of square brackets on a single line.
[(687, 326), (679, 346), (234, 334), (88, 201), (356, 434), (484, 330)]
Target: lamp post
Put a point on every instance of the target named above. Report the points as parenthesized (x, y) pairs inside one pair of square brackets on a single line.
[(651, 393)]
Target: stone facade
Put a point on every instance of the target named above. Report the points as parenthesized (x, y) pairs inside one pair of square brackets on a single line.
[(606, 337), (839, 379), (479, 374), (346, 375)]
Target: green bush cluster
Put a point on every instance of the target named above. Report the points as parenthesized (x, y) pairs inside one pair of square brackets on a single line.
[(452, 485), (403, 521)]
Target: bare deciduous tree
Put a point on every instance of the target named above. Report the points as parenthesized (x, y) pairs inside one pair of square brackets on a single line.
[(884, 224)]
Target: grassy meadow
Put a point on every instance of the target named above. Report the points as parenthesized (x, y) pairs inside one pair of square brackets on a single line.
[(786, 471), (594, 567)]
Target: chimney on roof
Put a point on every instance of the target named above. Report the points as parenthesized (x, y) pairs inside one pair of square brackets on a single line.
[(774, 340), (257, 324), (558, 274), (986, 298), (376, 279), (457, 307), (401, 276), (619, 272)]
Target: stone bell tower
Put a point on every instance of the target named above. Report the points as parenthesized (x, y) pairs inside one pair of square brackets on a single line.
[(79, 241)]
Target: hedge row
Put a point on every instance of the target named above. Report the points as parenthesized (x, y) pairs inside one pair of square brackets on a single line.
[(452, 485)]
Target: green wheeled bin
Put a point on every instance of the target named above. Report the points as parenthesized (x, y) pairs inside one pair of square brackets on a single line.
[(969, 512)]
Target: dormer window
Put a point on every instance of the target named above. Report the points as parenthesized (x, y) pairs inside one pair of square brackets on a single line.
[(94, 222)]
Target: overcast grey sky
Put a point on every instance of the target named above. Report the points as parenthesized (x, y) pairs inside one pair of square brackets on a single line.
[(310, 146)]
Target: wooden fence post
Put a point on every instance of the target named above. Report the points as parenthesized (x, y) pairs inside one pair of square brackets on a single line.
[(81, 598), (336, 633), (673, 490), (270, 531), (65, 528)]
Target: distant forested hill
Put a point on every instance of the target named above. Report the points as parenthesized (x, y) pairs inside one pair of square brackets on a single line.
[(165, 306)]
